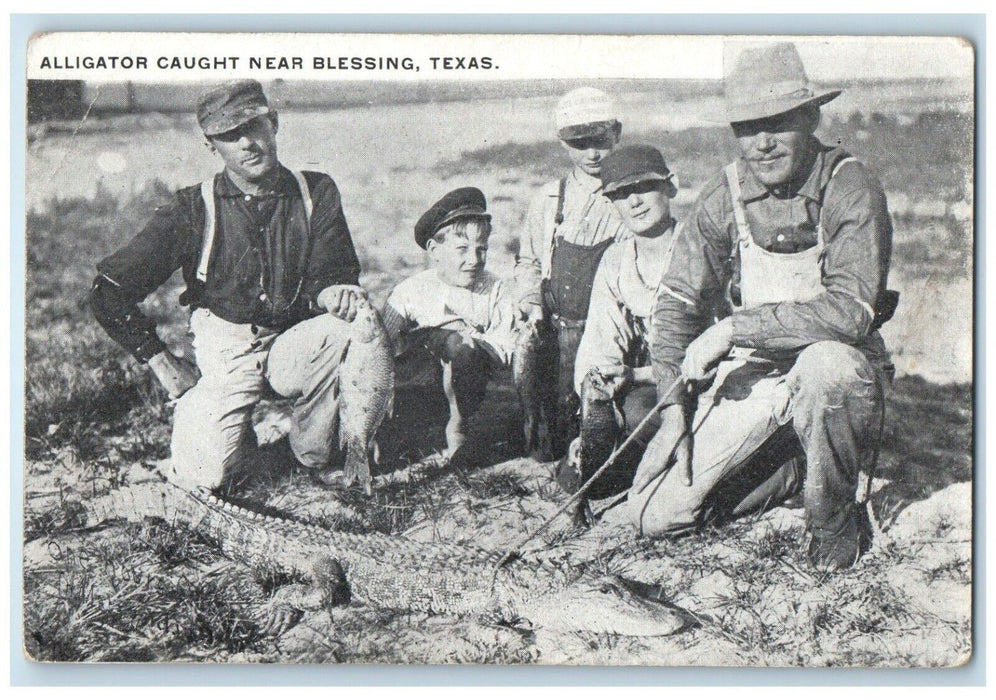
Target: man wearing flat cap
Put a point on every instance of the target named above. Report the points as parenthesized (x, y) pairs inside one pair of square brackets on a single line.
[(568, 227), (769, 313), (457, 310), (271, 280)]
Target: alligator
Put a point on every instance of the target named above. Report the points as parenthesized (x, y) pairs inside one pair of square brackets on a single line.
[(527, 590)]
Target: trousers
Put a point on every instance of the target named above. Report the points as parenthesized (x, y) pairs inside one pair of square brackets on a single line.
[(826, 407), (239, 364)]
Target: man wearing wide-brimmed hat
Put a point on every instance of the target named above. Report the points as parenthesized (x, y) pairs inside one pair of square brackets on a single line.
[(567, 229), (789, 246), (270, 273)]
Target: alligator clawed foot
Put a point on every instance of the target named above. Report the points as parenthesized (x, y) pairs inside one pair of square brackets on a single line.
[(279, 616)]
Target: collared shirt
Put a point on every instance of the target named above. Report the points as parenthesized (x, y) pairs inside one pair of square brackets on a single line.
[(619, 318), (589, 219), (267, 265), (705, 265), (425, 301)]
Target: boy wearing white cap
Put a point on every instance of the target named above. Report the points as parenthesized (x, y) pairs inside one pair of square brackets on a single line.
[(568, 227)]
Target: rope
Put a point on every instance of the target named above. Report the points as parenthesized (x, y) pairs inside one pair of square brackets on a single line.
[(516, 551)]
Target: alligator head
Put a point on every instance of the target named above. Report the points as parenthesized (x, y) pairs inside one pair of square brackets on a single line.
[(609, 604)]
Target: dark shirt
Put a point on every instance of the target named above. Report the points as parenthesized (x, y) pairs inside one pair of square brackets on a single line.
[(266, 268), (705, 266)]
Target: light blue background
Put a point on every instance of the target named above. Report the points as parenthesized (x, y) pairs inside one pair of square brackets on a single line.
[(23, 673)]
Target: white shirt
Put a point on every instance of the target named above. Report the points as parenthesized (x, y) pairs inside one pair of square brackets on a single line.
[(425, 301)]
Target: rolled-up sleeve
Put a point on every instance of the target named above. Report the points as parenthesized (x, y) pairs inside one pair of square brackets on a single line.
[(130, 274), (692, 290), (608, 333), (858, 234), (529, 261)]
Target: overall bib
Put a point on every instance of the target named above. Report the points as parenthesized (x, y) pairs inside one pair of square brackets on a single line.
[(766, 418), (566, 296)]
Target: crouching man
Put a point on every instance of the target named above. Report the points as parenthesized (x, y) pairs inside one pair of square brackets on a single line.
[(795, 239), (271, 275), (612, 372), (456, 310)]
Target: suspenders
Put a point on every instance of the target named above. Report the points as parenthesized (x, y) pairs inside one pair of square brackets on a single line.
[(207, 194), (740, 214)]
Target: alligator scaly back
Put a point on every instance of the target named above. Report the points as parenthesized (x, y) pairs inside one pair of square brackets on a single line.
[(394, 572)]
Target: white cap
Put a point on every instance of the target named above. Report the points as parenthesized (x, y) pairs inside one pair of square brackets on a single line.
[(585, 112)]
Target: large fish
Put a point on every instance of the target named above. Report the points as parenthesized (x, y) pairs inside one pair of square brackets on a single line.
[(532, 372), (366, 392)]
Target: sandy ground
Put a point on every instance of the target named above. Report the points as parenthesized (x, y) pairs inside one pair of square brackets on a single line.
[(920, 564)]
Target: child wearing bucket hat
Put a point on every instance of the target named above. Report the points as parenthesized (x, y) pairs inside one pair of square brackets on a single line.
[(567, 229), (769, 311), (456, 310)]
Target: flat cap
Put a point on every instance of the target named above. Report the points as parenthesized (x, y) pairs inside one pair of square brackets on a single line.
[(231, 105), (461, 202), (628, 165), (584, 113)]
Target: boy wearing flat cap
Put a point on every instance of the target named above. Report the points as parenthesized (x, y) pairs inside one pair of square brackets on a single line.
[(271, 279), (568, 227), (456, 309), (789, 246), (612, 371)]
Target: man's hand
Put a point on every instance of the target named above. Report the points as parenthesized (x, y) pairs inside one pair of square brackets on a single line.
[(614, 380), (706, 350), (342, 300), (176, 374), (670, 446)]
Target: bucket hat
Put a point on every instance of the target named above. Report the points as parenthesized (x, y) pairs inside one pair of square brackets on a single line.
[(768, 80)]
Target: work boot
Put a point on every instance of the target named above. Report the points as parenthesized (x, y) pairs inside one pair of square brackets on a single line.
[(839, 550)]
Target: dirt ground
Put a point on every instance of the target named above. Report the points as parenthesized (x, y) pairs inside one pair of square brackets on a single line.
[(145, 592)]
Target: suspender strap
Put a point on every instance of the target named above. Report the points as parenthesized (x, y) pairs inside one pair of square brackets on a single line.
[(302, 185), (559, 218), (207, 194), (739, 215)]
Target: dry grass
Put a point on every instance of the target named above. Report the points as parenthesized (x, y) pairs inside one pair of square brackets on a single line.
[(152, 592)]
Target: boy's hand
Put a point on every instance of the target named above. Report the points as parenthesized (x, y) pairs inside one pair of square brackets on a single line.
[(176, 374), (528, 311), (342, 300), (614, 380)]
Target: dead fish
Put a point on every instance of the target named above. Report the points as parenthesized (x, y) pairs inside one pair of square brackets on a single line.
[(536, 386), (366, 393), (602, 426)]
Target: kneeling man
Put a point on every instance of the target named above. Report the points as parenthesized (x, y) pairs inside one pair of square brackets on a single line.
[(270, 273), (789, 247)]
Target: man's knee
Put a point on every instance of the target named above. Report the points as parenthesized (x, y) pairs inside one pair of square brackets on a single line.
[(206, 446), (655, 514), (834, 371)]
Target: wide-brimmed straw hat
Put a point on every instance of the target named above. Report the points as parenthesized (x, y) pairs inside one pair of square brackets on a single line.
[(768, 80)]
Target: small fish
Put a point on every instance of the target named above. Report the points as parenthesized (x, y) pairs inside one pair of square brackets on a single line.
[(366, 393), (536, 386)]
